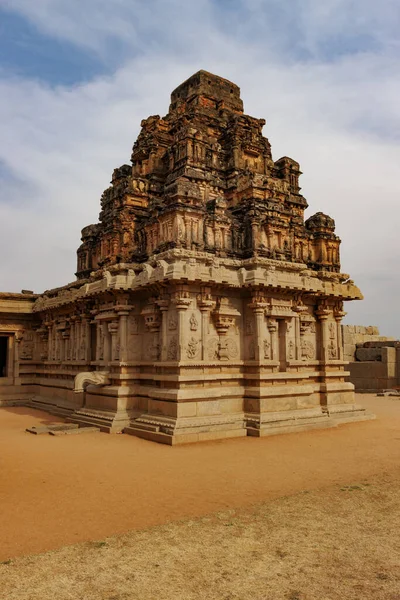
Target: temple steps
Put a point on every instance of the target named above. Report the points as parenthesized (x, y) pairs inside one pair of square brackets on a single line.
[(106, 426), (58, 409)]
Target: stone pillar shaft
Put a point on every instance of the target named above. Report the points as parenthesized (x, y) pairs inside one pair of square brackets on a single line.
[(106, 343), (123, 335)]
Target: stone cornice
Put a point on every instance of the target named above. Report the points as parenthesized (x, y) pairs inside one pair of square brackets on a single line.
[(175, 266)]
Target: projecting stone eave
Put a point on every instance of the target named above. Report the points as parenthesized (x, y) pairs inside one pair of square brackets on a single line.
[(180, 268)]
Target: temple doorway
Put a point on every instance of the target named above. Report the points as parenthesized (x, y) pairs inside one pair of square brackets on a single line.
[(3, 355)]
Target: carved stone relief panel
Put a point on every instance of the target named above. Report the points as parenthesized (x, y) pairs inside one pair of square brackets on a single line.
[(333, 353), (212, 348), (193, 348), (172, 352), (232, 348), (307, 349), (193, 322), (26, 346), (290, 340), (152, 348), (172, 321)]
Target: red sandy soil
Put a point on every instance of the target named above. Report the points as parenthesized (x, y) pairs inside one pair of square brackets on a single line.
[(61, 490)]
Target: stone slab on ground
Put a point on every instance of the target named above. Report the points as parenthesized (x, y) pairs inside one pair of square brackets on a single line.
[(51, 428), (77, 431)]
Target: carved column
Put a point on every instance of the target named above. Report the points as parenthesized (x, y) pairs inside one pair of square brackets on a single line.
[(57, 344), (15, 369), (75, 347), (206, 304), (99, 341), (322, 314), (65, 345), (273, 329), (164, 304), (298, 309), (106, 342), (123, 335), (182, 301), (339, 313), (84, 351), (258, 306), (49, 325), (113, 328), (72, 338)]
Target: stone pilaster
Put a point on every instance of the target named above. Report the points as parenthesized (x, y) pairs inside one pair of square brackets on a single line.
[(85, 351), (206, 305), (164, 305), (258, 306), (123, 334), (106, 342), (298, 309), (50, 341), (15, 368), (73, 338), (272, 325), (182, 301), (322, 314), (113, 328), (339, 314)]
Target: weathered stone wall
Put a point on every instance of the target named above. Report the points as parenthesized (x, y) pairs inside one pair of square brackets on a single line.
[(377, 368), (358, 334)]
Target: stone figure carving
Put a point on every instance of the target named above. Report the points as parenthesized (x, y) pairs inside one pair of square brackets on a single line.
[(192, 348), (172, 353), (307, 350), (267, 349), (291, 350), (332, 350), (172, 323), (232, 348), (193, 323), (212, 348)]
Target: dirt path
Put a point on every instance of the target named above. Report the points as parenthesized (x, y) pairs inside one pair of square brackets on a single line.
[(61, 490)]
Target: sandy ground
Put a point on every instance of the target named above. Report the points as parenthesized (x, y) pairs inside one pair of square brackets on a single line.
[(337, 543), (56, 491)]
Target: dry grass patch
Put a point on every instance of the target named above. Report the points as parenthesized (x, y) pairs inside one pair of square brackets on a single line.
[(338, 543)]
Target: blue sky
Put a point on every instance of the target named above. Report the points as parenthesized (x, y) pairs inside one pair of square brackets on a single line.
[(77, 77)]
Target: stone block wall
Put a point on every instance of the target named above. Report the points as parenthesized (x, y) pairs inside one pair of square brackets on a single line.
[(359, 334), (374, 359)]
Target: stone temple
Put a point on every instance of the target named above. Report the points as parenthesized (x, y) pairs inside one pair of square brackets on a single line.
[(204, 305)]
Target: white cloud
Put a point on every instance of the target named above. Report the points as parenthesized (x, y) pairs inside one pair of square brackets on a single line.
[(339, 119)]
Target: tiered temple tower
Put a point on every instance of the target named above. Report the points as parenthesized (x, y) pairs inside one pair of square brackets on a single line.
[(205, 305)]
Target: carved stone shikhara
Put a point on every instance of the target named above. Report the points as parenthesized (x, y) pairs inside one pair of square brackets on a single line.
[(211, 304)]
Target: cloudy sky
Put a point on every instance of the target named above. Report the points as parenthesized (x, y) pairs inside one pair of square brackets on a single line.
[(77, 77)]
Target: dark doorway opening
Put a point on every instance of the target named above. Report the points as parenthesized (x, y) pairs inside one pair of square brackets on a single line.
[(3, 355)]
